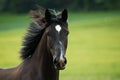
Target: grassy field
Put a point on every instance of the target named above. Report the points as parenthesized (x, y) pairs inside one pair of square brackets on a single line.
[(94, 44)]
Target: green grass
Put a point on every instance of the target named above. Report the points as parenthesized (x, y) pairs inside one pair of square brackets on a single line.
[(93, 50)]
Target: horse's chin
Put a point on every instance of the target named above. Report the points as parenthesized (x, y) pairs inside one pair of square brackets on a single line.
[(59, 68)]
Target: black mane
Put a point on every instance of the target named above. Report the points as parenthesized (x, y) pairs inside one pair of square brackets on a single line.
[(31, 40), (33, 37)]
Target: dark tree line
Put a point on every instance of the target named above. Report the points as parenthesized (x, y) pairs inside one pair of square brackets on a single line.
[(21, 6)]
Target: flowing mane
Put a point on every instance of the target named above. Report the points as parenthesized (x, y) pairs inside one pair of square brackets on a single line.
[(33, 37), (31, 40)]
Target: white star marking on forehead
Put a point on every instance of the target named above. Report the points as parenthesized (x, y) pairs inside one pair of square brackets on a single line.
[(58, 28)]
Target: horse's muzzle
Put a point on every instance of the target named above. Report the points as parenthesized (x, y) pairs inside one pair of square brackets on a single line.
[(60, 63)]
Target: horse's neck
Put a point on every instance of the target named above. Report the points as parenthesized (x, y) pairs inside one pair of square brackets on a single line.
[(43, 60)]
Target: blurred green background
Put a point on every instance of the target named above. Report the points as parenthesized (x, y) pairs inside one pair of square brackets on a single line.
[(94, 41)]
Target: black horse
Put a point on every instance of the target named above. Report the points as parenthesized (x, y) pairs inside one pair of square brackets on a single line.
[(44, 48)]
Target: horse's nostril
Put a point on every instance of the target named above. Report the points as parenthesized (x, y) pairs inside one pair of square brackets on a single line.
[(55, 61), (65, 61)]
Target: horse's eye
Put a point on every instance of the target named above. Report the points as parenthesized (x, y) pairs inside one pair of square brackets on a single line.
[(48, 33), (66, 32)]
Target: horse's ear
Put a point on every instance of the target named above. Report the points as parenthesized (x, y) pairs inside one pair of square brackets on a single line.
[(64, 15), (47, 15)]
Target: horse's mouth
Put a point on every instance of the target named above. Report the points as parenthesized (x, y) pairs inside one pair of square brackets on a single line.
[(59, 67), (60, 64)]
